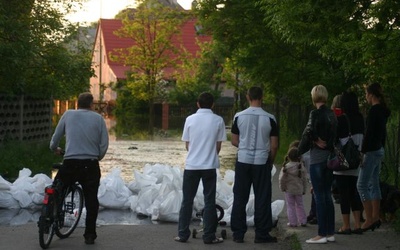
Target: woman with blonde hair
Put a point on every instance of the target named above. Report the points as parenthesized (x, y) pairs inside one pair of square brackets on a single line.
[(319, 137)]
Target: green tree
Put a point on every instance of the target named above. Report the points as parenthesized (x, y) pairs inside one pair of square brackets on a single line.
[(153, 27), (359, 36), (35, 47), (198, 73)]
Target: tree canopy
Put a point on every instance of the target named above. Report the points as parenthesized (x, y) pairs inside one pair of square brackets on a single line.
[(40, 50), (289, 46)]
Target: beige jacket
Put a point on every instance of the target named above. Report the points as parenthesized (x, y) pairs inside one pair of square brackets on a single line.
[(294, 179)]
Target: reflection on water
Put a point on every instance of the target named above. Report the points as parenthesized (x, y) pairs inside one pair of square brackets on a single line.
[(110, 123), (15, 217)]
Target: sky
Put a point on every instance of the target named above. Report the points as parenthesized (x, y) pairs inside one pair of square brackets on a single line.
[(93, 10)]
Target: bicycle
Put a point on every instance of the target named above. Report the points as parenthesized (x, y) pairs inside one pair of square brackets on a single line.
[(61, 210), (220, 216)]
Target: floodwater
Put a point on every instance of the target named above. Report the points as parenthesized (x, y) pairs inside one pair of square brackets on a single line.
[(128, 156), (134, 155)]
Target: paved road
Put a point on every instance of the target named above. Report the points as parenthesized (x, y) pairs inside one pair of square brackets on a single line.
[(152, 236)]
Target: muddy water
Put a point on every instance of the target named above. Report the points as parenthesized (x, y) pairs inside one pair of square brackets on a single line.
[(131, 155)]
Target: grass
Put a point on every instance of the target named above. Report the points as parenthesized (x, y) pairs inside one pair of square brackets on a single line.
[(294, 242)]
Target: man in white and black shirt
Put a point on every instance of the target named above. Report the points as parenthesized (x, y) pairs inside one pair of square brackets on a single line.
[(255, 133)]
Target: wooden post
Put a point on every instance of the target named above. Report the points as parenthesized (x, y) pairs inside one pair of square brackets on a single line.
[(165, 116)]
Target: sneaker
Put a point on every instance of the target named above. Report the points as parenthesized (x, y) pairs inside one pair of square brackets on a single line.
[(237, 240), (179, 239), (89, 240), (313, 221), (214, 241)]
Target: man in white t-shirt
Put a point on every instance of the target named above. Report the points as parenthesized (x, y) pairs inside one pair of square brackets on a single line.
[(203, 134)]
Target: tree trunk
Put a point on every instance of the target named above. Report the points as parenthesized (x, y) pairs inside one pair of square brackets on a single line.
[(151, 118)]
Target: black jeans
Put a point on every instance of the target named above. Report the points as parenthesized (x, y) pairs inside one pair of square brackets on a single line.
[(87, 173), (191, 180), (259, 176), (349, 197)]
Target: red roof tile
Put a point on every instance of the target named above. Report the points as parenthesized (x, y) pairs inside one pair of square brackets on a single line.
[(188, 39)]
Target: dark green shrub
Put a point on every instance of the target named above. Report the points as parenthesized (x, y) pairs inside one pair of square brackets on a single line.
[(16, 155)]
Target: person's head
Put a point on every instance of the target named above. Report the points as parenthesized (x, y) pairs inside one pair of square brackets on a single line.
[(293, 154), (319, 94), (373, 90), (349, 103), (294, 143), (336, 105), (254, 93), (336, 101), (85, 100), (205, 100)]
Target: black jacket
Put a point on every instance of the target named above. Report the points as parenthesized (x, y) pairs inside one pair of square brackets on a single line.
[(322, 123)]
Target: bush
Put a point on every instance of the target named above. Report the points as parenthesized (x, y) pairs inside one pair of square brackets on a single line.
[(16, 155)]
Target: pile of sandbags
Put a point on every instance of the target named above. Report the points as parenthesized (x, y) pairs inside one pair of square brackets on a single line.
[(156, 192)]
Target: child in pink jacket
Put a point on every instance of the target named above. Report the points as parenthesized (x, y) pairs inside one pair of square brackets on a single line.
[(293, 181)]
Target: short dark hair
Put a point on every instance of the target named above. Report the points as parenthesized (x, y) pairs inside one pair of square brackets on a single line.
[(85, 100), (255, 93), (205, 100)]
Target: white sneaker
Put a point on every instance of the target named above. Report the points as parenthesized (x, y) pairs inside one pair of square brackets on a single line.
[(323, 240)]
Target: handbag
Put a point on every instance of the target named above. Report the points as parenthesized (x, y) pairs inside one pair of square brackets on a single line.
[(336, 160), (350, 150)]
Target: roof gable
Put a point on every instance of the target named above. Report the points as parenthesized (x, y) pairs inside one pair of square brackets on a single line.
[(188, 39)]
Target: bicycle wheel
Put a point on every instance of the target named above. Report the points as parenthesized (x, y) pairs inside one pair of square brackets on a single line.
[(46, 226), (70, 212), (220, 212)]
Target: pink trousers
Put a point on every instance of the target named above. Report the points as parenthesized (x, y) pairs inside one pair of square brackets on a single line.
[(295, 209)]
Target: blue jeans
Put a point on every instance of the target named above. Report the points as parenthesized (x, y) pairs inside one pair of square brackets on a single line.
[(259, 176), (368, 179), (321, 181), (191, 180)]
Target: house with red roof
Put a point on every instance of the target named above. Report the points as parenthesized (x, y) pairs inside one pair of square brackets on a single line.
[(108, 71)]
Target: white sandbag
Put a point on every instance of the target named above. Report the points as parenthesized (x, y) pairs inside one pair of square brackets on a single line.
[(7, 200), (229, 176), (146, 198), (157, 170), (40, 181), (4, 184), (23, 198), (133, 202), (277, 207), (23, 182), (110, 199), (141, 181), (37, 198), (7, 214), (112, 191), (169, 208), (23, 217)]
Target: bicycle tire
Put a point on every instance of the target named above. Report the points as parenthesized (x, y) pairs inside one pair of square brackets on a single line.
[(71, 206), (220, 212), (46, 226)]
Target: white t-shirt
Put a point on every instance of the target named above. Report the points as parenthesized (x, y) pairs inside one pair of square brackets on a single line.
[(203, 130)]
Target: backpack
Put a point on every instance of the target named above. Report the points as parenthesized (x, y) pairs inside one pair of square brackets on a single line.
[(350, 150)]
